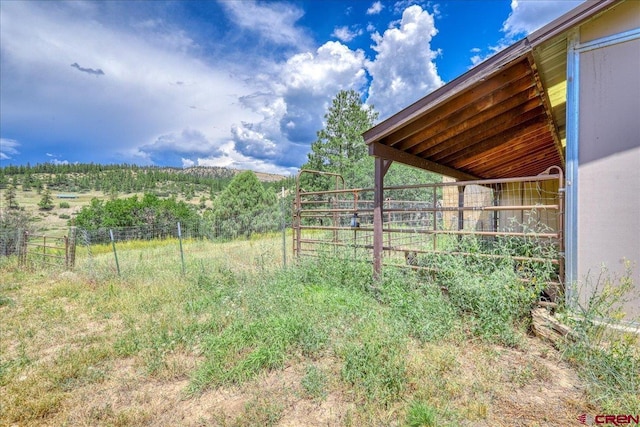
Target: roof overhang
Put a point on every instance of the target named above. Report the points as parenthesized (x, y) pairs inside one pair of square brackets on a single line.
[(503, 118)]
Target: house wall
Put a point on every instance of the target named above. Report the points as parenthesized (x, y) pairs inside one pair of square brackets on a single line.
[(624, 16), (608, 202)]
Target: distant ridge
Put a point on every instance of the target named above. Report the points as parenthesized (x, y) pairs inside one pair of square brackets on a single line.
[(222, 172)]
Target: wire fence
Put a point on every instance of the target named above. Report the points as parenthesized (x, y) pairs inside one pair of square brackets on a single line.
[(10, 242), (519, 218), (269, 227)]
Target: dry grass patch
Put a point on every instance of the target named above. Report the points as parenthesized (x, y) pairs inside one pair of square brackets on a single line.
[(240, 345)]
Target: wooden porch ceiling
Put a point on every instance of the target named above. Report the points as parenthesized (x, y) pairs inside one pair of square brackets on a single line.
[(495, 122)]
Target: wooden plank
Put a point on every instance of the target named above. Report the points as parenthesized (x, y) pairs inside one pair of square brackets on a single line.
[(536, 164), (478, 130), (536, 140), (469, 117), (457, 112), (514, 161), (506, 130)]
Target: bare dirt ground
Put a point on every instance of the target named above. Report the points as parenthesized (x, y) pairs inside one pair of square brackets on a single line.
[(490, 385)]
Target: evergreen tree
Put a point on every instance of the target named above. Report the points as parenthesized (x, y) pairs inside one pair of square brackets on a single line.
[(27, 182), (339, 146), (244, 207), (46, 202), (10, 197)]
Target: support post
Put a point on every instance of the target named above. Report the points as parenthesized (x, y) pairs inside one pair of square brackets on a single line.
[(497, 193), (434, 214), (115, 253), (460, 211), (181, 251), (66, 253), (284, 230), (72, 248), (381, 168)]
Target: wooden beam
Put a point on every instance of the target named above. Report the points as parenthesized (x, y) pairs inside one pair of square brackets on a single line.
[(547, 106), (379, 150), (385, 166)]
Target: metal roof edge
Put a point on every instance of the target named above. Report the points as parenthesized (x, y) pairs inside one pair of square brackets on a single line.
[(490, 66), (574, 17)]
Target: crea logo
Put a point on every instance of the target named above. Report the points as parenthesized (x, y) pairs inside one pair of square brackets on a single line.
[(616, 420)]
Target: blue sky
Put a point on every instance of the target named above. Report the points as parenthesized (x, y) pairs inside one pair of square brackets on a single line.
[(241, 84)]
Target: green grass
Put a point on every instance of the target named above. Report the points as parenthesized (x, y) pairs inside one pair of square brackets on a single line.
[(421, 415), (401, 351)]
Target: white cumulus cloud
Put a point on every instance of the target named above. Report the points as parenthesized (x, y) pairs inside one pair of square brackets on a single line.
[(274, 21), (403, 70), (346, 34), (529, 15), (293, 99), (375, 8)]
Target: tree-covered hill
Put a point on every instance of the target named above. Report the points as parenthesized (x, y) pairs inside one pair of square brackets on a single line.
[(122, 178)]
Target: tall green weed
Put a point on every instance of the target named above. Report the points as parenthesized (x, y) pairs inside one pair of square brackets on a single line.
[(606, 353)]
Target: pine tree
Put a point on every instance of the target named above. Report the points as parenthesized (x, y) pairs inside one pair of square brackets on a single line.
[(10, 197), (244, 207), (46, 202), (339, 146)]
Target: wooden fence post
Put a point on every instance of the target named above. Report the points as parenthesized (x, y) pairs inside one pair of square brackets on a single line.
[(23, 249), (71, 251)]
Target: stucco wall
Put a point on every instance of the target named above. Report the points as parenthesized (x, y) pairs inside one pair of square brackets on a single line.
[(622, 17), (609, 154)]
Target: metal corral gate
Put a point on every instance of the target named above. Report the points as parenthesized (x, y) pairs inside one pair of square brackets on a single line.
[(39, 249), (426, 219)]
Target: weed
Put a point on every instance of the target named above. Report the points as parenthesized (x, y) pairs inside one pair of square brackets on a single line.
[(260, 412), (376, 366), (421, 415), (488, 292), (314, 383), (607, 358), (423, 308)]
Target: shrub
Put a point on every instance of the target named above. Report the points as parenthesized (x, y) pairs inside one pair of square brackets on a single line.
[(12, 224), (493, 293), (607, 356)]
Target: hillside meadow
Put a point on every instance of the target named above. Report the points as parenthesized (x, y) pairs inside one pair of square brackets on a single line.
[(238, 340)]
